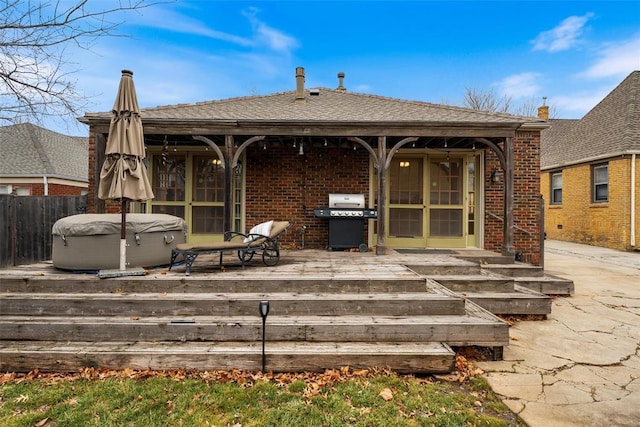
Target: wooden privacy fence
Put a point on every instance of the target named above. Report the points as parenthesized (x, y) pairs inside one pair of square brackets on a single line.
[(25, 225)]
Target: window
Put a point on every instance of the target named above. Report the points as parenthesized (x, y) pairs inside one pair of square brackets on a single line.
[(600, 179), (556, 188)]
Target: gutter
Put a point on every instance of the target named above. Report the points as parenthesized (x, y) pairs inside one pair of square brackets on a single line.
[(590, 160)]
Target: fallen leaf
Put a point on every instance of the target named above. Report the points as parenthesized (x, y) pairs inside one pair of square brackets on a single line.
[(386, 394), (42, 422), (22, 398)]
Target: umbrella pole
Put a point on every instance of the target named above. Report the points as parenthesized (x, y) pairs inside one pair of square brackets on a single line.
[(123, 236)]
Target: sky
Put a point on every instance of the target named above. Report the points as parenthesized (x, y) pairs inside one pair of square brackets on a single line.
[(571, 52)]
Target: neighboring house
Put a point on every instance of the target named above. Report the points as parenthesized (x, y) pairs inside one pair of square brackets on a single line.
[(438, 176), (590, 176), (35, 161)]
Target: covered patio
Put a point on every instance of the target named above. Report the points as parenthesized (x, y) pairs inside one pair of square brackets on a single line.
[(289, 150)]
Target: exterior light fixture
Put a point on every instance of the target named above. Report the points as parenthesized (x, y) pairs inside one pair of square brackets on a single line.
[(495, 176), (264, 312), (405, 164), (301, 152)]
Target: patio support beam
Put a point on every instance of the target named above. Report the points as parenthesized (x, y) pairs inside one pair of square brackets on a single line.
[(381, 247), (507, 239), (227, 219)]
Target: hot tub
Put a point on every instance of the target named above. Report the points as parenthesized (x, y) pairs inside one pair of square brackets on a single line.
[(92, 241)]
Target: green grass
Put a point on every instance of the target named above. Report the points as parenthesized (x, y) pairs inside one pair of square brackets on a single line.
[(334, 398)]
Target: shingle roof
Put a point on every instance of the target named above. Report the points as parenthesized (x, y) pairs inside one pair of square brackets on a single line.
[(328, 105), (29, 150), (611, 128)]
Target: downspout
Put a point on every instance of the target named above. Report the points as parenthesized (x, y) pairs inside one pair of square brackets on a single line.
[(45, 181), (633, 200)]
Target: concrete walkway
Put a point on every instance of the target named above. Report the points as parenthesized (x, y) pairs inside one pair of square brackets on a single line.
[(581, 366)]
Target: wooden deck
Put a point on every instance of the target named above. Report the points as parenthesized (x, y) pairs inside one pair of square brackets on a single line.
[(327, 309)]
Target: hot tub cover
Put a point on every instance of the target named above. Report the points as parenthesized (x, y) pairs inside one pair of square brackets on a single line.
[(97, 224)]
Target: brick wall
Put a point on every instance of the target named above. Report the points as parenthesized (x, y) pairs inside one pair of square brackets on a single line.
[(579, 220), (526, 209), (282, 185), (56, 190), (93, 183)]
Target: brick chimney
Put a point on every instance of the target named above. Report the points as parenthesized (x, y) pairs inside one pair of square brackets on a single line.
[(543, 110), (341, 87), (299, 84)]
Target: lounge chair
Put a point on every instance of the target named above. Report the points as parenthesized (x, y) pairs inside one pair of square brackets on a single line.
[(247, 245)]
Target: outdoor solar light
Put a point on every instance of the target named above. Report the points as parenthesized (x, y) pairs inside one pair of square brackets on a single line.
[(264, 312)]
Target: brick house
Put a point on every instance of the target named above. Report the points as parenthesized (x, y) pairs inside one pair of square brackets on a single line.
[(39, 162), (439, 176), (590, 172)]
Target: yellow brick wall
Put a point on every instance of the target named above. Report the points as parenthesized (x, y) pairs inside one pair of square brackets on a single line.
[(579, 220)]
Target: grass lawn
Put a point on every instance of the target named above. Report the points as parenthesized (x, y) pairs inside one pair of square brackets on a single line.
[(343, 397)]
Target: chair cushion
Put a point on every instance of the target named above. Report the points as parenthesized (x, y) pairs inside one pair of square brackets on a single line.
[(263, 229)]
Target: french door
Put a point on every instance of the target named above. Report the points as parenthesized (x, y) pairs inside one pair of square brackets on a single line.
[(191, 186), (431, 201)]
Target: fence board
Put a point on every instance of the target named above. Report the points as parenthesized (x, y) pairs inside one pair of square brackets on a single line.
[(26, 223)]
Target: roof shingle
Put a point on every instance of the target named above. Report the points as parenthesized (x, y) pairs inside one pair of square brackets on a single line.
[(611, 128), (328, 105), (31, 150)]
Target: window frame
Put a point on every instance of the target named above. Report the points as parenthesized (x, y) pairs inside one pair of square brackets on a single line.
[(554, 200), (595, 184)]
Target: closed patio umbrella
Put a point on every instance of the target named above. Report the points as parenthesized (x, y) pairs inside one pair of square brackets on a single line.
[(124, 175)]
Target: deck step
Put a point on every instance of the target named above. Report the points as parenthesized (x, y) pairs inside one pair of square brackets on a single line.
[(485, 282), (195, 304), (221, 283), (517, 269), (469, 329), (521, 301), (547, 284), (279, 356), (444, 268)]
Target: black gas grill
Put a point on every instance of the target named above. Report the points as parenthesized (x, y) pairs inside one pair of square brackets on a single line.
[(346, 214)]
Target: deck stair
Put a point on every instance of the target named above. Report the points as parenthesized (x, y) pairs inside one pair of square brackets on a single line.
[(507, 289), (378, 316), (533, 278)]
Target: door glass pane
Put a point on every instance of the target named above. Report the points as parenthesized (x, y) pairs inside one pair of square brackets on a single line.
[(445, 222), (169, 210), (445, 182), (169, 179), (405, 186), (208, 179), (207, 219), (405, 222)]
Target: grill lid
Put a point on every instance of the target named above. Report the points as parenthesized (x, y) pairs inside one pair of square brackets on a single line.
[(346, 201)]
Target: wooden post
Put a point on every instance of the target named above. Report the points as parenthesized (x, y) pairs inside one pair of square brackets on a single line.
[(227, 219), (381, 248), (507, 236)]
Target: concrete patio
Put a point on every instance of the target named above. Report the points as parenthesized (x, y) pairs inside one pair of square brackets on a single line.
[(581, 366)]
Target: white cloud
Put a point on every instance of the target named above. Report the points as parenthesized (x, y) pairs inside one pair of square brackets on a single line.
[(616, 59), (521, 85), (562, 37), (579, 103), (264, 35)]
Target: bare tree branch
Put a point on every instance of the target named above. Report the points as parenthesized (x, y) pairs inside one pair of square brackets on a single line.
[(34, 37), (486, 100)]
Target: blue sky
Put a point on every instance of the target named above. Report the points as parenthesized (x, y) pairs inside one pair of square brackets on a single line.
[(572, 52)]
